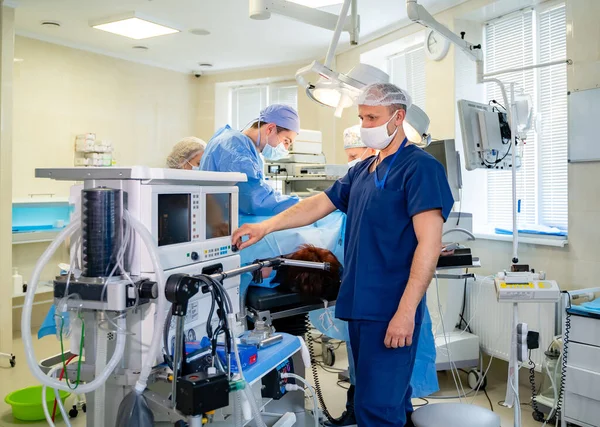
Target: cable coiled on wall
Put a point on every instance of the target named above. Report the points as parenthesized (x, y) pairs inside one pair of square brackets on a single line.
[(310, 343)]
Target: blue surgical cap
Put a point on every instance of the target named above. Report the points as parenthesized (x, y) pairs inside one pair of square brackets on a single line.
[(282, 115)]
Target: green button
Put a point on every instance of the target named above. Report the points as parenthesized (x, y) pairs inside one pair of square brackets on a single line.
[(188, 255)]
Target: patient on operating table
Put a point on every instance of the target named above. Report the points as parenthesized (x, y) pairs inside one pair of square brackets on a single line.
[(308, 281)]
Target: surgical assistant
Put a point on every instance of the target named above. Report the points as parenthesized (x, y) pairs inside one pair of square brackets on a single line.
[(232, 151), (396, 204)]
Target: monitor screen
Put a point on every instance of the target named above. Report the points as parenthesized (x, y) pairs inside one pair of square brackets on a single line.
[(438, 150), (218, 215), (174, 215), (445, 152)]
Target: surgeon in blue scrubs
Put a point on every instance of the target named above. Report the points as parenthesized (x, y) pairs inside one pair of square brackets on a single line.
[(229, 150), (396, 204)]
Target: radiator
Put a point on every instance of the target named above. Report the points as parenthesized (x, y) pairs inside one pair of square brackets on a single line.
[(492, 321)]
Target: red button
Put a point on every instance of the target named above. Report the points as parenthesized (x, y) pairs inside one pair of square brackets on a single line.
[(253, 359)]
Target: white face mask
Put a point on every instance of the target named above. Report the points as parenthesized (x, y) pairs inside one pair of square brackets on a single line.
[(358, 159), (378, 137), (274, 153)]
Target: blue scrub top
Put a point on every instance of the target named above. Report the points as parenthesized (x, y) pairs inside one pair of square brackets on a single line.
[(231, 151), (380, 237)]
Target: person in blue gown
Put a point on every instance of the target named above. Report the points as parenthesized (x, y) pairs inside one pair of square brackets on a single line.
[(396, 204), (230, 150)]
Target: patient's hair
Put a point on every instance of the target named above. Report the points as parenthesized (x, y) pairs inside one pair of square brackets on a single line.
[(311, 282)]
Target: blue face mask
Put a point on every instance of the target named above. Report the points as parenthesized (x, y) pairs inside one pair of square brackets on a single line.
[(274, 153)]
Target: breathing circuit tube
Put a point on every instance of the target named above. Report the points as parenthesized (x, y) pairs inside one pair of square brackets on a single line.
[(26, 325), (162, 305), (121, 338)]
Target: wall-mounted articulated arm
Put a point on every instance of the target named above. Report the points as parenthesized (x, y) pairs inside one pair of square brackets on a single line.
[(418, 14)]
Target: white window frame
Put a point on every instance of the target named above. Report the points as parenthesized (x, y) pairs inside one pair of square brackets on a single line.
[(269, 89), (559, 241), (404, 53)]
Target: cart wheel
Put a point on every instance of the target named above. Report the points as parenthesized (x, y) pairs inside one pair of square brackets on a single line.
[(73, 412), (84, 408), (13, 361), (329, 357)]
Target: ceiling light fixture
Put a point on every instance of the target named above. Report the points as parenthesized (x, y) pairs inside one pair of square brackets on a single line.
[(133, 25)]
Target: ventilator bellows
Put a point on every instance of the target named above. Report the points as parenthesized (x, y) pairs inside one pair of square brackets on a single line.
[(101, 230)]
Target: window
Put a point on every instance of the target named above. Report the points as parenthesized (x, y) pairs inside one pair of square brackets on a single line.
[(527, 38), (247, 101), (407, 71)]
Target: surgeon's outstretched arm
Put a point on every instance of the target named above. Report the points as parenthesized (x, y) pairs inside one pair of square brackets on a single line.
[(304, 213)]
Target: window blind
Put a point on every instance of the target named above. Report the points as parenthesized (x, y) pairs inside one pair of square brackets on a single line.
[(553, 119), (287, 95), (246, 103), (515, 41), (408, 72)]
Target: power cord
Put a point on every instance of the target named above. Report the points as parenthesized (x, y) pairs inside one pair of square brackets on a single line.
[(537, 414)]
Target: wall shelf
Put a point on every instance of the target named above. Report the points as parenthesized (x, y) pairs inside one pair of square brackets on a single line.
[(34, 237)]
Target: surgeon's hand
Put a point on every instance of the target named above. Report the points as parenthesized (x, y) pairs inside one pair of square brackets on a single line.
[(254, 232), (400, 330)]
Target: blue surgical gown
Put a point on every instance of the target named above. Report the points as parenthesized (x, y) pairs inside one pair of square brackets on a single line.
[(232, 151)]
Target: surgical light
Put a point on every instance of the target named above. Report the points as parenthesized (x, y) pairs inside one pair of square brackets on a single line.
[(338, 90), (416, 124), (133, 26)]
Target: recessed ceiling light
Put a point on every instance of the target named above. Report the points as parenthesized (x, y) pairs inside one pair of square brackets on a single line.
[(134, 26), (140, 47), (200, 32), (205, 64), (317, 3), (18, 59), (50, 24)]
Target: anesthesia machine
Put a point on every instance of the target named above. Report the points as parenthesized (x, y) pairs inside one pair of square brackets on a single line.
[(152, 302)]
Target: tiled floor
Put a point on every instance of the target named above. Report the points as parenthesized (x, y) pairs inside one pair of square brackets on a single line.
[(335, 396)]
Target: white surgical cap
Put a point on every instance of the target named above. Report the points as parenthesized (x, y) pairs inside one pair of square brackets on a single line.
[(384, 94), (352, 138), (184, 151)]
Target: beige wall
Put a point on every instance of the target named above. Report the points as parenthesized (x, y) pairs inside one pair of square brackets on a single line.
[(60, 92), (7, 18)]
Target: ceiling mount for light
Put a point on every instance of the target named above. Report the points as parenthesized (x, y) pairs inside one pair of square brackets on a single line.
[(316, 4), (133, 25)]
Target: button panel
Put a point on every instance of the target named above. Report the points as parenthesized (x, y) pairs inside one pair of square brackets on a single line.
[(195, 214)]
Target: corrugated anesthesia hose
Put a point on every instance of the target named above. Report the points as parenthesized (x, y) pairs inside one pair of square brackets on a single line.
[(162, 306), (26, 324)]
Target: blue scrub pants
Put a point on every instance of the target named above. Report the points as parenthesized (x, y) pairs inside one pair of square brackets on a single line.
[(351, 368), (383, 390)]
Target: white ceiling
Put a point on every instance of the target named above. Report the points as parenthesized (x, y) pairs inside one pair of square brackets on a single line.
[(236, 41)]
